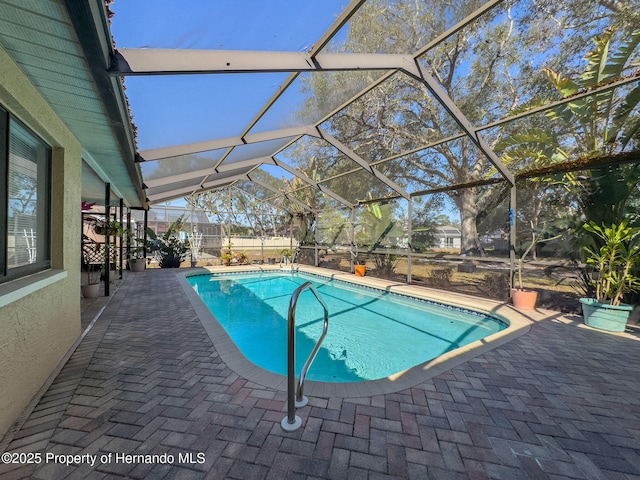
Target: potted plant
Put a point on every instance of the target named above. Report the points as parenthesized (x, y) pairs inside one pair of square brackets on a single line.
[(360, 269), (169, 248), (614, 257), (136, 257), (226, 258), (239, 258), (522, 298), (226, 254)]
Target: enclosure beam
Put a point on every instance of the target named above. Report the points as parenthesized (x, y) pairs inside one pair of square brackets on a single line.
[(204, 174), (458, 26), (199, 147), (295, 172), (250, 163), (284, 195), (121, 246), (441, 95), (311, 182), (224, 181), (130, 233), (335, 196), (588, 92), (512, 235), (409, 233), (146, 226), (318, 46), (186, 191), (353, 241), (159, 61), (363, 163), (199, 177), (107, 238), (192, 175), (166, 196)]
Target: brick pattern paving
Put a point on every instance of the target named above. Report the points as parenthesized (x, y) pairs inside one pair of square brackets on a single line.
[(562, 401)]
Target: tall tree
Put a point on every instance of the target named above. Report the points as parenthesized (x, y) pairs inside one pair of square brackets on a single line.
[(487, 68)]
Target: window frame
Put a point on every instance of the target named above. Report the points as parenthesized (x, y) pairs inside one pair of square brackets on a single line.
[(43, 202)]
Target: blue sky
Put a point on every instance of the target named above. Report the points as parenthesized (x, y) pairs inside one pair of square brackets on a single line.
[(171, 110)]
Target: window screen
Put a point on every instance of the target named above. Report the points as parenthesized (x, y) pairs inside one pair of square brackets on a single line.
[(26, 162)]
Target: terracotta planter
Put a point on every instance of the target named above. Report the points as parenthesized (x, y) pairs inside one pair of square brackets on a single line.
[(360, 270), (604, 316), (524, 299), (91, 290)]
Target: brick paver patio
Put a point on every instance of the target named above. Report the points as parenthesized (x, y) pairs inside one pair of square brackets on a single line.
[(562, 401)]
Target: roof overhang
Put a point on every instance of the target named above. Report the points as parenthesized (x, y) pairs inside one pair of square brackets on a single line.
[(64, 47)]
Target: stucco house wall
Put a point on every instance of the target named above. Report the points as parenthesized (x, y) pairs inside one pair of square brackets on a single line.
[(40, 314)]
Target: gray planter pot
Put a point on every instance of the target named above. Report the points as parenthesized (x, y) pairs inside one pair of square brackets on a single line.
[(90, 290)]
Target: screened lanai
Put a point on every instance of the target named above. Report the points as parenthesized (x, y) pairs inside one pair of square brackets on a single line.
[(369, 127)]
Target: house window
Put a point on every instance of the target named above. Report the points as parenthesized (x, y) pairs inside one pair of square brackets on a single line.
[(25, 163)]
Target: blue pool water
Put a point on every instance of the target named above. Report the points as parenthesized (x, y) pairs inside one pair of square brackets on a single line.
[(372, 333)]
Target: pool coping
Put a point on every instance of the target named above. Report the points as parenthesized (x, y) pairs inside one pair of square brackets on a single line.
[(519, 323)]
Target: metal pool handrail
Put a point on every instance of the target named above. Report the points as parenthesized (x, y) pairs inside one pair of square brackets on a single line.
[(293, 259), (295, 397)]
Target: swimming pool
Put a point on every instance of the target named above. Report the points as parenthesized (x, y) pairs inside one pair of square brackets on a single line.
[(372, 334)]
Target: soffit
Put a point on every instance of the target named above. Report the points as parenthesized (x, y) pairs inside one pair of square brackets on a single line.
[(68, 65)]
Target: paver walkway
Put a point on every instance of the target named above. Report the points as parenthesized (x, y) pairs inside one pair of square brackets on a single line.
[(562, 401)]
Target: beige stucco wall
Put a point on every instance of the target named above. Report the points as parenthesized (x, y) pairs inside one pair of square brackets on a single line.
[(40, 315)]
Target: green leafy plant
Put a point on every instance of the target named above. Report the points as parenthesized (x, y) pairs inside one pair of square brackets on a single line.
[(239, 257), (385, 264), (170, 250), (105, 227), (614, 256)]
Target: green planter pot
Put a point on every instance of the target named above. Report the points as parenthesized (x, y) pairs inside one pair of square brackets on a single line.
[(604, 316)]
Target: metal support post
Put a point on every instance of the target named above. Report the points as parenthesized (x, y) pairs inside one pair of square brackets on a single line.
[(409, 226), (107, 238), (121, 246), (512, 236)]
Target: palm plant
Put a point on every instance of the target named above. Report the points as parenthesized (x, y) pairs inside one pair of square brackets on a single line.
[(599, 124)]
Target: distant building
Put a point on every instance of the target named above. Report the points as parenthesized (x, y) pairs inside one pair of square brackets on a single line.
[(447, 236)]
